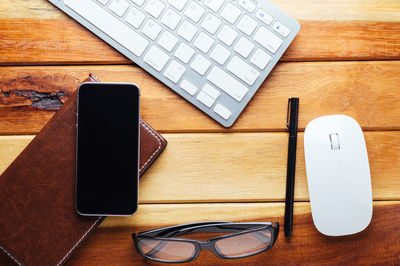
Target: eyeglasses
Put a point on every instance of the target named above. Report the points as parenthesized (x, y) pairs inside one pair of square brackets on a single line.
[(247, 239)]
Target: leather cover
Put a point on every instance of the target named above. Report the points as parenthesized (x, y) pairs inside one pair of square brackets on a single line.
[(38, 221)]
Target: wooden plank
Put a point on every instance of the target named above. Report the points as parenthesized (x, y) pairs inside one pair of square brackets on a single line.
[(245, 167), (378, 244), (10, 148), (327, 10), (367, 91), (64, 41), (341, 10)]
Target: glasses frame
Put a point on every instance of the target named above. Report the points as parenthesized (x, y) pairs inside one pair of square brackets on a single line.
[(170, 233)]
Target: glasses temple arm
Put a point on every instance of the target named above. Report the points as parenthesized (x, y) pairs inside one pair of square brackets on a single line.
[(156, 249), (276, 232), (173, 230), (260, 236), (216, 228)]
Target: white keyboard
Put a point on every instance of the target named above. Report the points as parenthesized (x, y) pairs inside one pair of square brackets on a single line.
[(214, 53)]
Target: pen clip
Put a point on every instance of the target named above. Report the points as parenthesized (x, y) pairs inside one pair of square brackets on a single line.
[(288, 112)]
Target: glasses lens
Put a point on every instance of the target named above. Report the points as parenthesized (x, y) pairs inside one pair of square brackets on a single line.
[(172, 251), (245, 244)]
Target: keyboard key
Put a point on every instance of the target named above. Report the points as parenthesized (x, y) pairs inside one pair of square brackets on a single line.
[(110, 25), (187, 30), (203, 42), (244, 47), (230, 13), (138, 2), (174, 71), (211, 23), (243, 70), (227, 35), (168, 41), (188, 87), (248, 5), (171, 19), (154, 8), (264, 16), (200, 64), (151, 29), (211, 91), (135, 17), (178, 4), (119, 7), (281, 29), (220, 54), (222, 111), (267, 39), (184, 52), (194, 11), (260, 58), (227, 83), (156, 58), (205, 99), (247, 25), (214, 5)]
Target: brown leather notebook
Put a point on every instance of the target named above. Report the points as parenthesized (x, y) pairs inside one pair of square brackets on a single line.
[(38, 221)]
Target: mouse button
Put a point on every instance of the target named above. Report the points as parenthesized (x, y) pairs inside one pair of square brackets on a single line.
[(334, 138)]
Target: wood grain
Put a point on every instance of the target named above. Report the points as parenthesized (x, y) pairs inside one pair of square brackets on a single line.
[(112, 243), (341, 10), (327, 10), (363, 30), (367, 91), (237, 176), (239, 167), (64, 41), (307, 245), (378, 244)]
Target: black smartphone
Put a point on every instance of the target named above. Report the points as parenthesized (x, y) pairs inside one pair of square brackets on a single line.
[(107, 157)]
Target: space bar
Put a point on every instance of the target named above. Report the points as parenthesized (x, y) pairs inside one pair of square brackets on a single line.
[(108, 24), (227, 83)]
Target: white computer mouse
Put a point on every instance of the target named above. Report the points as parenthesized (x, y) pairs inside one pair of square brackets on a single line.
[(338, 175)]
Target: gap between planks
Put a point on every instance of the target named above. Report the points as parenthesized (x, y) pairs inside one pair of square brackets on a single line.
[(189, 212)]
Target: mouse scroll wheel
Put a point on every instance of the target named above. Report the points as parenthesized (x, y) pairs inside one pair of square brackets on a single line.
[(335, 144)]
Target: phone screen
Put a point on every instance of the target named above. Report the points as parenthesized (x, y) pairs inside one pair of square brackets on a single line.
[(107, 149)]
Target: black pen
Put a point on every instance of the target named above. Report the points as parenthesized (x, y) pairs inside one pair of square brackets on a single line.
[(291, 123)]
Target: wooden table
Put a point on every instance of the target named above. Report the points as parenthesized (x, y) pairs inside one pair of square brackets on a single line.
[(344, 61)]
